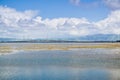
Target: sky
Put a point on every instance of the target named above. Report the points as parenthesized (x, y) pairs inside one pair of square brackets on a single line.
[(41, 19)]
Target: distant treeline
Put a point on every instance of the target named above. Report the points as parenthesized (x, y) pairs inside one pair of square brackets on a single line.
[(58, 41), (118, 41)]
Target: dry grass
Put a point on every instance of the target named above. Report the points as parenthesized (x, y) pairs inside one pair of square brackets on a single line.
[(5, 49), (65, 47), (33, 47)]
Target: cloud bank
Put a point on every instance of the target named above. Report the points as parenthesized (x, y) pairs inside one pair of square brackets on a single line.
[(25, 25)]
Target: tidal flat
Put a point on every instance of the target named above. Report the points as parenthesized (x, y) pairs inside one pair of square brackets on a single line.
[(59, 61), (11, 47)]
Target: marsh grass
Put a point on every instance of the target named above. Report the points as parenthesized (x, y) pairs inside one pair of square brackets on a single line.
[(34, 47), (6, 49), (65, 47)]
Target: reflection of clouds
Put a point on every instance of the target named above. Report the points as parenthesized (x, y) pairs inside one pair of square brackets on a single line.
[(117, 51), (14, 73), (7, 72), (41, 65), (94, 74), (53, 73), (115, 73)]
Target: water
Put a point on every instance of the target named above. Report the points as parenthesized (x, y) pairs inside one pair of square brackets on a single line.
[(80, 64), (52, 73)]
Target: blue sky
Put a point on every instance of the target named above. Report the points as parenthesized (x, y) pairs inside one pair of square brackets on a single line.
[(58, 18), (61, 8)]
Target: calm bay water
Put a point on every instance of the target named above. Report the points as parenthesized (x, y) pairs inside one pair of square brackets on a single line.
[(79, 64)]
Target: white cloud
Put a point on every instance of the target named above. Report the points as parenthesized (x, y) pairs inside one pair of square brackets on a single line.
[(80, 3), (114, 4), (75, 2), (110, 25), (27, 24)]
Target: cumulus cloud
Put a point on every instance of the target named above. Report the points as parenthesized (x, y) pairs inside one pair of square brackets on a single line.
[(113, 4), (110, 25), (16, 24)]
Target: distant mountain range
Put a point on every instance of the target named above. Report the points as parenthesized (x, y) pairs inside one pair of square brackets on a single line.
[(90, 38), (7, 39), (101, 37)]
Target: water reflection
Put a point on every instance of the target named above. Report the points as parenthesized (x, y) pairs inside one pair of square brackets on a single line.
[(52, 73), (61, 65)]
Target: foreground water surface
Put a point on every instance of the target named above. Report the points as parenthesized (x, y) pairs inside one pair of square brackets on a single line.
[(77, 64)]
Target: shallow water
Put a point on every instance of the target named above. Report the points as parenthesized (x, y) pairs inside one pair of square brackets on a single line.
[(79, 64)]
